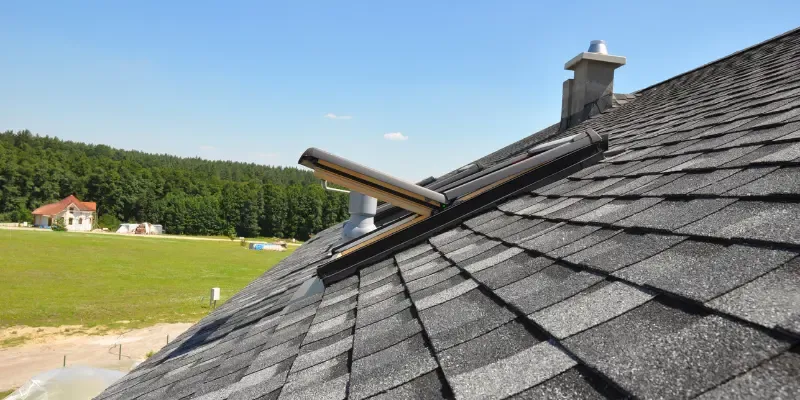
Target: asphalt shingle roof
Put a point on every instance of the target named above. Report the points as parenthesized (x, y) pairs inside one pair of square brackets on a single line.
[(669, 270)]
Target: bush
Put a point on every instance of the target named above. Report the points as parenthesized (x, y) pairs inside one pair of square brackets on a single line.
[(230, 232), (59, 225), (108, 221)]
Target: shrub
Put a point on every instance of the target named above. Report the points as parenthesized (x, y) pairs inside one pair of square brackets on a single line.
[(59, 225)]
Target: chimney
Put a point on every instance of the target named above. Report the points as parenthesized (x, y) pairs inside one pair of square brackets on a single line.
[(591, 90)]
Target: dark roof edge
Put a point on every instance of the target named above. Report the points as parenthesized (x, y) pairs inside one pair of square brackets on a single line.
[(770, 40)]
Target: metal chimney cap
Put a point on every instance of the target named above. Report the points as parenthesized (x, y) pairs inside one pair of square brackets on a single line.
[(598, 46)]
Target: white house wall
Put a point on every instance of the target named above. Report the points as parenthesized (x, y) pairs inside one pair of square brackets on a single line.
[(81, 220)]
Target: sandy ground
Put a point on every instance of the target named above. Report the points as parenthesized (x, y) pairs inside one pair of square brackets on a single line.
[(47, 347)]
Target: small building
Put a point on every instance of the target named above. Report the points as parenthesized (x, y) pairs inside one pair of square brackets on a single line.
[(78, 215), (144, 228)]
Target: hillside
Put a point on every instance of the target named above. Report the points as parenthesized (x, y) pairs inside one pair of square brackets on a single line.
[(186, 195)]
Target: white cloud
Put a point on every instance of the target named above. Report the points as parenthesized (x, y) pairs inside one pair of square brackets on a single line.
[(334, 116), (395, 136), (206, 147)]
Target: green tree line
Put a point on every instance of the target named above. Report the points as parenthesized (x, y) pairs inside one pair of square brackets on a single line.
[(185, 195)]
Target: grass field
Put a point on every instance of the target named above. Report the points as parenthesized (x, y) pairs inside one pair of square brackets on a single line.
[(58, 278)]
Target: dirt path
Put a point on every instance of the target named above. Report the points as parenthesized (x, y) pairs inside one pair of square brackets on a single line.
[(48, 346)]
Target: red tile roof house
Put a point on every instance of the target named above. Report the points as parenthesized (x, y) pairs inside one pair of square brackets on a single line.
[(78, 215)]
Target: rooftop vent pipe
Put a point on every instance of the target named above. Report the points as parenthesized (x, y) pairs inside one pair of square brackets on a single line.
[(362, 213), (362, 216)]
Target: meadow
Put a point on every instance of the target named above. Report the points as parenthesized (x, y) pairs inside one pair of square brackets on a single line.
[(59, 278)]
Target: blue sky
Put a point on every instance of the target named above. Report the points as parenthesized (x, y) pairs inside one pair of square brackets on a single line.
[(261, 81)]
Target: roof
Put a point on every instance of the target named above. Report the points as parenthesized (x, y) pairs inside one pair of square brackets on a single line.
[(55, 208), (668, 270)]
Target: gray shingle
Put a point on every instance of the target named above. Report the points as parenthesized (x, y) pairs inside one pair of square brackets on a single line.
[(659, 352), (427, 386), (768, 300), (579, 208), (330, 327), (426, 269), (688, 183), (774, 379), (775, 222), (560, 236), (462, 318), (672, 214), (702, 271), (449, 236), (585, 242), (501, 221), (617, 210), (520, 203), (423, 258), (589, 308), (385, 333), (740, 178), (412, 252), (532, 232), (472, 250), (432, 279), (382, 291), (488, 348), (784, 181), (517, 227), (381, 310), (482, 218), (546, 287), (622, 250), (512, 374), (566, 386), (306, 360), (442, 292), (390, 367), (564, 203), (489, 259), (512, 270), (334, 389), (541, 205), (626, 185)]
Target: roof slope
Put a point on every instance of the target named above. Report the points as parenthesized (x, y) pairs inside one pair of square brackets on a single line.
[(55, 208), (667, 271)]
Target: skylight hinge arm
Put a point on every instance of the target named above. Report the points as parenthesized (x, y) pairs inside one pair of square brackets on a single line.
[(325, 186)]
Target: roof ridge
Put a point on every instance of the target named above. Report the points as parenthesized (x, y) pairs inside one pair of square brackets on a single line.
[(708, 64)]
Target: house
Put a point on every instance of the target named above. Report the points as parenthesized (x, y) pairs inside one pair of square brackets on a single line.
[(645, 245), (77, 215)]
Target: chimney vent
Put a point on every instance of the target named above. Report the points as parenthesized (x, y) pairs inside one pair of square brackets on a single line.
[(598, 46), (591, 90)]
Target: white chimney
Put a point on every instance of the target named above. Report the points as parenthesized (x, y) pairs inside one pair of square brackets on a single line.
[(591, 90)]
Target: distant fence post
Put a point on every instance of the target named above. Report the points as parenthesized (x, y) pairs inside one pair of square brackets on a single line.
[(120, 351), (65, 361)]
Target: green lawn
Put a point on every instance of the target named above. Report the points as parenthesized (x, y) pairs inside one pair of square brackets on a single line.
[(57, 278)]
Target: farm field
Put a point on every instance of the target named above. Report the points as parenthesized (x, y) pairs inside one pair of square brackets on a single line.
[(57, 278)]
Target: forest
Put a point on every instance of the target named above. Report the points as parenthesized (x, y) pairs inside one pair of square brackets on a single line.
[(186, 195)]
